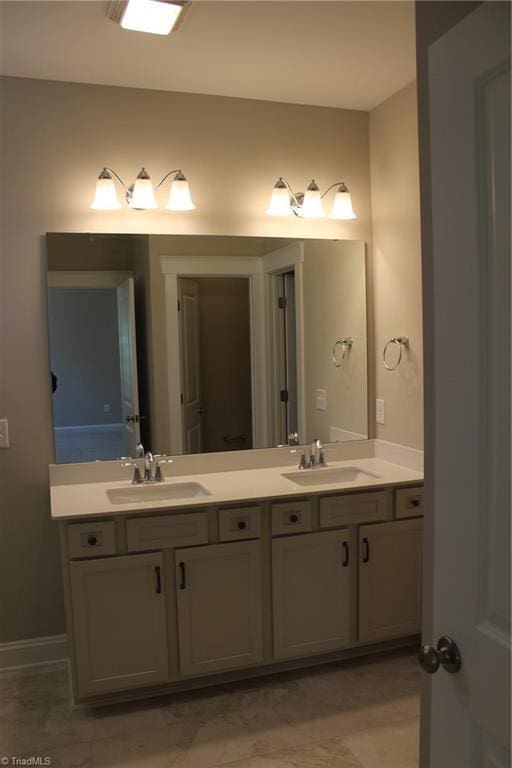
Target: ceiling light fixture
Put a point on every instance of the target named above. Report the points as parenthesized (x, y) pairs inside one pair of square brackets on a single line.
[(308, 205), (141, 194), (158, 17)]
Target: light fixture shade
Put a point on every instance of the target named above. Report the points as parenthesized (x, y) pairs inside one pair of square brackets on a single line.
[(157, 17), (179, 196), (105, 198), (342, 205), (279, 204), (312, 207), (142, 196)]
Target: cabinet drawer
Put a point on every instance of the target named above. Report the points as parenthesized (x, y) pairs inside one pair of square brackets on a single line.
[(290, 517), (239, 523), (166, 531), (409, 502), (352, 509), (91, 539)]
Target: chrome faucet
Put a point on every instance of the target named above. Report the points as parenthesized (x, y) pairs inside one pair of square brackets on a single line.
[(152, 469), (316, 456), (149, 462)]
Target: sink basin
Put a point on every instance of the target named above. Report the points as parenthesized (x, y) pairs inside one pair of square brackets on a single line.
[(139, 494), (323, 476)]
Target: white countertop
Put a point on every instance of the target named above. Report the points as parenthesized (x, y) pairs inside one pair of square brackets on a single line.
[(82, 500)]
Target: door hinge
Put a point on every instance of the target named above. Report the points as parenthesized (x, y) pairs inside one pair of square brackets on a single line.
[(181, 398), (284, 395), (282, 302), (179, 305)]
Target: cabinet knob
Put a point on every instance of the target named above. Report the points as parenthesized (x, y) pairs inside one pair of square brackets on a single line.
[(242, 525), (294, 518), (415, 502), (92, 541)]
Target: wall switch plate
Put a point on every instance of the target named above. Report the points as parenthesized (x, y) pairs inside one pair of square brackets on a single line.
[(106, 408), (321, 399), (379, 411), (4, 433)]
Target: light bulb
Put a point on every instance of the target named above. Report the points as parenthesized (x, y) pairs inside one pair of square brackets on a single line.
[(312, 207), (342, 205), (142, 195), (179, 196), (105, 198), (279, 204), (155, 16)]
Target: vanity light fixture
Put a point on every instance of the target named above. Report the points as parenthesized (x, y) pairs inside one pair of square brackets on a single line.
[(141, 194), (158, 17), (308, 205)]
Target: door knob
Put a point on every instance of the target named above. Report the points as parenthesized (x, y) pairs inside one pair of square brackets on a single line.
[(446, 654)]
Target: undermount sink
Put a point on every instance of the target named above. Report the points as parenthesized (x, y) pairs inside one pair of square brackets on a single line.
[(139, 494), (323, 476)]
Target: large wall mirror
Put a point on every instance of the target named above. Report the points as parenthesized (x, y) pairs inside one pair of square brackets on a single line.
[(194, 344)]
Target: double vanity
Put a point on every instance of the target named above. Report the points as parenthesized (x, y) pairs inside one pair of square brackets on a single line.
[(234, 571)]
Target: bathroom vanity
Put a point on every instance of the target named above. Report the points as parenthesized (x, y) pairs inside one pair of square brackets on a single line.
[(227, 574)]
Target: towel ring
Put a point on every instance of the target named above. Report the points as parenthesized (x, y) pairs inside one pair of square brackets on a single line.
[(402, 341), (346, 345)]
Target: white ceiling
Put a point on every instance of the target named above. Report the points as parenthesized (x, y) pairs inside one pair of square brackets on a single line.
[(334, 54)]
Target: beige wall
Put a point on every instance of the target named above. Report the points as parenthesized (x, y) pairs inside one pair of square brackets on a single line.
[(334, 307), (396, 267), (55, 139)]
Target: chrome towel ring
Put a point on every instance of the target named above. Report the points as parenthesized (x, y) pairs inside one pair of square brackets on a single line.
[(346, 346), (402, 341)]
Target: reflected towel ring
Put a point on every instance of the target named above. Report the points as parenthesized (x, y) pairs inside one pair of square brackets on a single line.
[(402, 341), (346, 346)]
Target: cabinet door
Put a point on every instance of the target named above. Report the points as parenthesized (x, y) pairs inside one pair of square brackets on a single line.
[(219, 607), (311, 593), (119, 623), (390, 579)]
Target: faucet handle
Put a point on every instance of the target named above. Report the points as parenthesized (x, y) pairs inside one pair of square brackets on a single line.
[(137, 477), (304, 463), (159, 475)]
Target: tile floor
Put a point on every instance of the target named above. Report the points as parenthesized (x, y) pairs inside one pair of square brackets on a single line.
[(358, 714)]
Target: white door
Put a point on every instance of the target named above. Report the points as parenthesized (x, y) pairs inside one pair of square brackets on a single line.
[(191, 407), (128, 362), (466, 715)]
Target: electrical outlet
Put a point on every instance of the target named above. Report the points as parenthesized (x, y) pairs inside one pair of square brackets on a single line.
[(106, 408), (321, 399), (4, 433), (379, 411)]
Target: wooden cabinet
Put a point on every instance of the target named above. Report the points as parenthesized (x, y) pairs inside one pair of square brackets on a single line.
[(320, 575), (219, 597), (311, 593), (119, 622), (390, 579)]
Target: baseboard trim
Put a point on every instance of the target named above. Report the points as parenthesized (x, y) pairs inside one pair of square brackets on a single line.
[(80, 428), (33, 652)]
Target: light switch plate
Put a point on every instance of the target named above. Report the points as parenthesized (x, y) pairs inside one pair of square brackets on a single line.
[(321, 399), (4, 433), (379, 411)]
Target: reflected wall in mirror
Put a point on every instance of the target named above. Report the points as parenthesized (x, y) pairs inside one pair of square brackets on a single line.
[(192, 344)]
